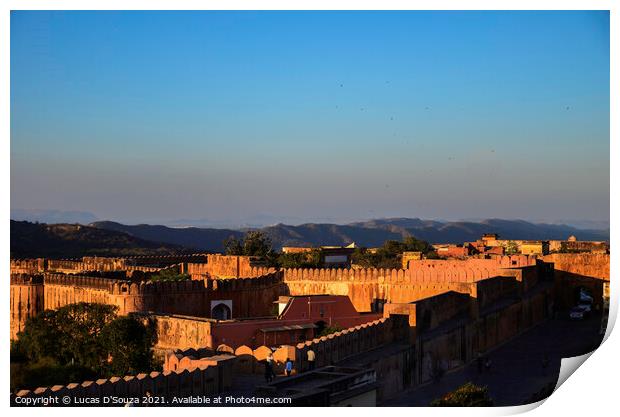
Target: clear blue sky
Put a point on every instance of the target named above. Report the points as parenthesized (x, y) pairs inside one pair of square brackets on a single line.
[(143, 116)]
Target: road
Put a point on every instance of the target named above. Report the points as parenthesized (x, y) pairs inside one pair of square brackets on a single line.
[(516, 372)]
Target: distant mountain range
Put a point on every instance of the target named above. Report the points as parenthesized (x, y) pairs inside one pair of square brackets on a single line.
[(53, 216), (38, 240), (204, 239), (107, 238), (370, 233)]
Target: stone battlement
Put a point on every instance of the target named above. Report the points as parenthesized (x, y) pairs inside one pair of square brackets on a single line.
[(328, 349), (96, 263), (594, 265), (427, 274), (226, 266), (206, 379), (127, 287), (83, 281), (251, 297), (26, 279), (338, 346)]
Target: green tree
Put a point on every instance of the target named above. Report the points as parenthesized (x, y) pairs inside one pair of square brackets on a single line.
[(68, 335), (78, 341), (311, 259), (170, 274), (330, 329), (40, 337), (79, 326), (389, 255), (233, 246), (467, 395), (46, 373), (127, 345), (254, 243), (511, 247), (417, 245)]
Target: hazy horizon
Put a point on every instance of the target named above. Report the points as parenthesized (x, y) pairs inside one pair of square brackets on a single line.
[(233, 116), (58, 216)]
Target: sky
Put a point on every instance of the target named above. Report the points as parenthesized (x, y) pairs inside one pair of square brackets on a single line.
[(311, 116)]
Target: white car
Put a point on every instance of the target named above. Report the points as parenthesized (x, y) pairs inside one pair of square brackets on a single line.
[(576, 313)]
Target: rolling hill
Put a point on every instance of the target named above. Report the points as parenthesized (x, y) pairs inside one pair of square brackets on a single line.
[(370, 234), (33, 240)]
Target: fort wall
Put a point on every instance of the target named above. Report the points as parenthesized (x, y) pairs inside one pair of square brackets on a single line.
[(250, 297), (574, 272), (454, 309), (341, 345), (27, 300), (190, 359), (226, 266), (28, 266), (199, 381), (593, 265), (178, 332), (98, 263), (367, 287)]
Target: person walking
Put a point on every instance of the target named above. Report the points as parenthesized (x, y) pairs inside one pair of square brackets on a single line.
[(269, 372), (288, 367), (311, 359)]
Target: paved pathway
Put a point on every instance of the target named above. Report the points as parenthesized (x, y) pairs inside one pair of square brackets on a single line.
[(516, 372)]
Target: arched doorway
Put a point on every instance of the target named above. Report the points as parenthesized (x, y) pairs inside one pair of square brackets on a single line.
[(221, 312)]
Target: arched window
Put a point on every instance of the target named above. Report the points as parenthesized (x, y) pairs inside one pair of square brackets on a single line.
[(221, 312)]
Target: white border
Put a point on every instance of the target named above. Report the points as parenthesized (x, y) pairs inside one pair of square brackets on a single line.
[(590, 392)]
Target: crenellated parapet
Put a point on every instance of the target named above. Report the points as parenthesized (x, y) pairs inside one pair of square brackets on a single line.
[(424, 273), (162, 261), (341, 345), (82, 281), (27, 300), (26, 279), (209, 378), (28, 266), (249, 296), (247, 284), (369, 287), (99, 264), (226, 266)]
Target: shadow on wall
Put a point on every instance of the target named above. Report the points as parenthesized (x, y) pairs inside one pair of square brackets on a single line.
[(568, 286)]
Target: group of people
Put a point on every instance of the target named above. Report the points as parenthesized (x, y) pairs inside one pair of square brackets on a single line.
[(270, 372)]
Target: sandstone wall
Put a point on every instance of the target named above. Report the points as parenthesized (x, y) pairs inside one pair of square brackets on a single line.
[(27, 300), (226, 266), (576, 271), (250, 297), (446, 350), (434, 311), (365, 287), (177, 332), (593, 265), (28, 266), (204, 380), (341, 345), (492, 290), (95, 263)]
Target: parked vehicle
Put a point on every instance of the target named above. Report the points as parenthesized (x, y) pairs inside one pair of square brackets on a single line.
[(586, 307), (584, 297)]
